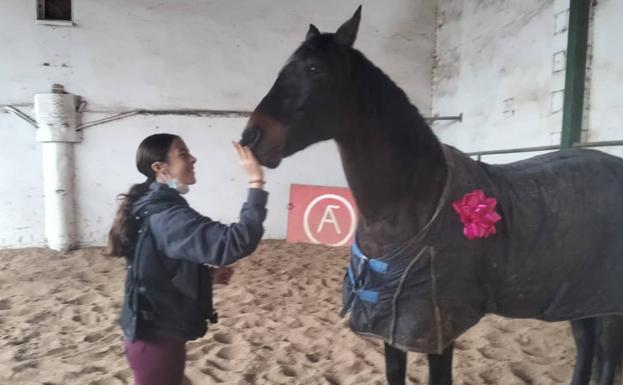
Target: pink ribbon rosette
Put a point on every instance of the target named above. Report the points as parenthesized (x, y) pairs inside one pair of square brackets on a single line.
[(477, 212)]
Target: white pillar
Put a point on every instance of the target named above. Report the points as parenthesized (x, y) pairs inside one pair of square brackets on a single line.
[(57, 120), (58, 191)]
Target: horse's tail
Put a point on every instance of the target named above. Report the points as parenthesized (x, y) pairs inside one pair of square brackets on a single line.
[(609, 353)]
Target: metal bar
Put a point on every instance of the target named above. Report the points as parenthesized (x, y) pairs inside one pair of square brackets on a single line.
[(575, 77), (514, 150), (458, 117), (217, 113), (17, 105), (197, 112), (187, 112), (14, 111), (607, 143), (108, 119)]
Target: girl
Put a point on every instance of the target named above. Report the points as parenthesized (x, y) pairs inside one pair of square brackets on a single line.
[(168, 245)]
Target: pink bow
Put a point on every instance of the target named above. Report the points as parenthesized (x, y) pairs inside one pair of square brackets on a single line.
[(477, 212)]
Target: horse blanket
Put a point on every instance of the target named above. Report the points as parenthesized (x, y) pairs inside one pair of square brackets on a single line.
[(557, 253)]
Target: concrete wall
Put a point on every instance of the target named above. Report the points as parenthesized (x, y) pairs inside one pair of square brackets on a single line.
[(605, 99), (176, 55), (502, 64), (21, 186), (495, 65)]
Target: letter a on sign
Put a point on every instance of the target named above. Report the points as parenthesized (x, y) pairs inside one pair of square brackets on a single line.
[(321, 214), (329, 217)]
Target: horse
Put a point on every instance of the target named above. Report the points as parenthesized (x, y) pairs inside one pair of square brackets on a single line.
[(443, 239)]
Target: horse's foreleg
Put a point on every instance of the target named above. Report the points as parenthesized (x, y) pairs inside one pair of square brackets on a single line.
[(440, 367), (584, 333), (395, 365)]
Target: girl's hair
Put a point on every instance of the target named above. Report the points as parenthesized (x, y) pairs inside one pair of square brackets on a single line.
[(124, 230)]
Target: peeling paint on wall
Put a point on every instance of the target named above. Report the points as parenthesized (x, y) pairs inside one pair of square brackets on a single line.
[(494, 64)]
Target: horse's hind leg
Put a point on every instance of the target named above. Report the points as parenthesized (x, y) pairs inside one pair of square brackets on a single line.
[(395, 365), (440, 367), (584, 332), (610, 344)]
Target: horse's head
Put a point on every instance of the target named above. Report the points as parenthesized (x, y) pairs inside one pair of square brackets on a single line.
[(310, 100)]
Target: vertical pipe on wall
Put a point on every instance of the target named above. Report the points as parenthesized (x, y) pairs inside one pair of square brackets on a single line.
[(57, 120), (575, 76)]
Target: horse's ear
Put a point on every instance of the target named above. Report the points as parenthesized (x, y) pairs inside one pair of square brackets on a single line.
[(313, 31), (347, 33)]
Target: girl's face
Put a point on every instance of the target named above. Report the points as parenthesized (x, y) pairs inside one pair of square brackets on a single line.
[(180, 164)]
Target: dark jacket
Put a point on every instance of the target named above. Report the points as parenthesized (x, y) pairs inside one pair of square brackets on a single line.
[(168, 287)]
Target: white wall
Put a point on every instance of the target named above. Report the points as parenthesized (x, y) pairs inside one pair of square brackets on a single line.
[(21, 184), (105, 166), (494, 64), (501, 63), (123, 55), (605, 118)]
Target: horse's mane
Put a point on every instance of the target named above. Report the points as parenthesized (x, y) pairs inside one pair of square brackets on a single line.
[(387, 107)]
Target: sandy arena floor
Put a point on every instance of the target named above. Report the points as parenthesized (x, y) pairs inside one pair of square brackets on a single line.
[(279, 325)]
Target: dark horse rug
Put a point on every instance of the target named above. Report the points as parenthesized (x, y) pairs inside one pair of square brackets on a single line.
[(557, 253)]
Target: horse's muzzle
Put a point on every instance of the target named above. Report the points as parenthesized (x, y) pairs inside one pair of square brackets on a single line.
[(250, 137)]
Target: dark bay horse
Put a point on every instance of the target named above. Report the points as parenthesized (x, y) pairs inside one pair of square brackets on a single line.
[(416, 280)]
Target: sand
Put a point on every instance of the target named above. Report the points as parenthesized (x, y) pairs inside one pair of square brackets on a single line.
[(279, 325)]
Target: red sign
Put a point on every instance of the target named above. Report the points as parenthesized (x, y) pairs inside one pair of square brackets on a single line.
[(319, 214)]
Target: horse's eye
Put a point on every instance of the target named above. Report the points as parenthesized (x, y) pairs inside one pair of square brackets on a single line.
[(313, 69)]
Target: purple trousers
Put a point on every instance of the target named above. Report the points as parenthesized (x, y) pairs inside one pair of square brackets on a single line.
[(158, 360)]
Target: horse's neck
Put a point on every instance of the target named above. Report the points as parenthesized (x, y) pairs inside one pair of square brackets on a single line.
[(393, 162), (396, 192)]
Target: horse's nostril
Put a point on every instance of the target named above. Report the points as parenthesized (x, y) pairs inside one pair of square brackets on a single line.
[(250, 137)]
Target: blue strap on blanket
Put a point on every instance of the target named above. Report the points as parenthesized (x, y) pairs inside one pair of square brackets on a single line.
[(356, 279), (375, 264)]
